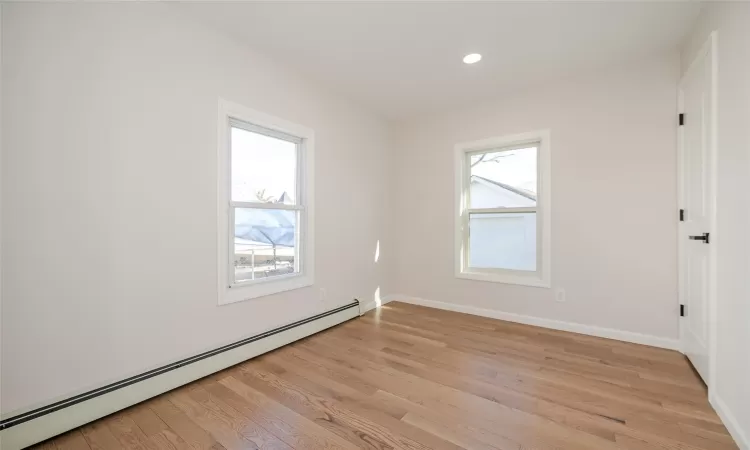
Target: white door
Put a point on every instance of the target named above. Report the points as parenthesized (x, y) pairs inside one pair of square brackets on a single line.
[(697, 210)]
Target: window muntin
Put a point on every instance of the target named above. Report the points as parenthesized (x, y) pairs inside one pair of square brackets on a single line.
[(264, 164)]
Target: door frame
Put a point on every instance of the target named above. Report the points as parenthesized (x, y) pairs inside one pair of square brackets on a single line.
[(708, 50)]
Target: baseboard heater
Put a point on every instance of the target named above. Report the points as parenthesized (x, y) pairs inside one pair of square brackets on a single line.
[(42, 423)]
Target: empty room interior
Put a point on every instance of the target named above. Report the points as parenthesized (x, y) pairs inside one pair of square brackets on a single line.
[(375, 225)]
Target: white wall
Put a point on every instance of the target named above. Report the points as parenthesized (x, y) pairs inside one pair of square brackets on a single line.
[(731, 392), (613, 149), (109, 193)]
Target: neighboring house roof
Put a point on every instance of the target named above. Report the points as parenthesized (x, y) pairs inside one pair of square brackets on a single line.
[(522, 192), (284, 198)]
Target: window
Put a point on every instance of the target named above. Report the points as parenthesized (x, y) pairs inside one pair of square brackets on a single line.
[(265, 200), (502, 222)]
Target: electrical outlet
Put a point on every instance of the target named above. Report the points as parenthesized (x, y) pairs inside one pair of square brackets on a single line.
[(560, 295), (322, 296)]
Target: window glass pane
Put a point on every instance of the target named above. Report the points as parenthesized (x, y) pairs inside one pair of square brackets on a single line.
[(502, 241), (265, 243), (263, 168), (504, 179)]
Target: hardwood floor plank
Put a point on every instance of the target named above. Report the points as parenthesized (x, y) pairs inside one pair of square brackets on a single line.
[(448, 433), (247, 427), (527, 349), (231, 430), (689, 405), (362, 405), (182, 425), (284, 423), (453, 428), (410, 377), (155, 429), (99, 437), (459, 403), (49, 444), (604, 414), (304, 405), (318, 374), (672, 433), (147, 420), (371, 434), (312, 431), (72, 440), (297, 356), (717, 435), (129, 435)]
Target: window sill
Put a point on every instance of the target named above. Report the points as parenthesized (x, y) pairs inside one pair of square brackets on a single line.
[(242, 292), (505, 278)]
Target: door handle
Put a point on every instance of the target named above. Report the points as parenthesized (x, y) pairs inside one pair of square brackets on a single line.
[(703, 237)]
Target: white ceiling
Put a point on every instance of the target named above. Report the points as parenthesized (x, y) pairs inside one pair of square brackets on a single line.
[(404, 59)]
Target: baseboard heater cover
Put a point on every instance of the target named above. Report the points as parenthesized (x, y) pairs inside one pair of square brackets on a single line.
[(42, 423)]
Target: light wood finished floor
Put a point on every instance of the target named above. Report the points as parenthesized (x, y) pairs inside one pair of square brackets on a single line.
[(418, 378)]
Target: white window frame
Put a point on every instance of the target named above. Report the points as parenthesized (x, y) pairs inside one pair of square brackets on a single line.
[(229, 290), (542, 276)]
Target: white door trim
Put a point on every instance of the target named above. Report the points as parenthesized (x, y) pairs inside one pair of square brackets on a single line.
[(708, 50)]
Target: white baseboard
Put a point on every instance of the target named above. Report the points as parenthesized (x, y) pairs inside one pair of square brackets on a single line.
[(739, 435), (27, 429), (610, 333)]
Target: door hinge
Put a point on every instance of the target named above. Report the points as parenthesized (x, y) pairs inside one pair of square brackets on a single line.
[(682, 215), (682, 310), (703, 237), (682, 119)]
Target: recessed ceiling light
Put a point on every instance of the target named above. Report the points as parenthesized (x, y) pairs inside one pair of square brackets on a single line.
[(472, 58)]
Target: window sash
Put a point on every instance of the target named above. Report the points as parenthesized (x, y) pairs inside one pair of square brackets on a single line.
[(258, 205), (298, 250), (299, 157), (247, 126), (467, 239), (525, 209), (503, 148), (466, 185)]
